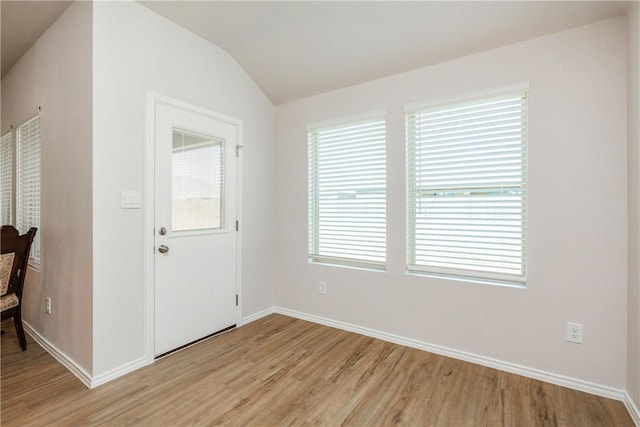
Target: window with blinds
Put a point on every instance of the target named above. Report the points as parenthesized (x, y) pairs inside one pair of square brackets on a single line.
[(347, 194), (28, 186), (6, 177), (467, 168)]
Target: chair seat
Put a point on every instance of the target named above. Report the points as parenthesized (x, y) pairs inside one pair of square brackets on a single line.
[(14, 260), (8, 301)]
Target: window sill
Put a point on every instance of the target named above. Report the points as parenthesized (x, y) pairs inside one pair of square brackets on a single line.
[(346, 264), (465, 279)]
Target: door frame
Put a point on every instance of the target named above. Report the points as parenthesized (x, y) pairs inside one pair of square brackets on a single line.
[(154, 99)]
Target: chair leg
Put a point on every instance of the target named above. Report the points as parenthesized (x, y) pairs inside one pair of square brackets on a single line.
[(17, 320)]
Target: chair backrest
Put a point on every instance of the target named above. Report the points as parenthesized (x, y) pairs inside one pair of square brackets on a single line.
[(12, 241)]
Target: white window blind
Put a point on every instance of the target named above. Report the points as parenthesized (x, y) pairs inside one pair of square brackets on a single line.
[(6, 177), (467, 188), (28, 187), (347, 194)]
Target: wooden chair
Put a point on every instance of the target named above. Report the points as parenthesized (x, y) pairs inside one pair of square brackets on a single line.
[(14, 257)]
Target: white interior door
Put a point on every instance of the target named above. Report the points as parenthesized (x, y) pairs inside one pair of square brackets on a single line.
[(195, 226)]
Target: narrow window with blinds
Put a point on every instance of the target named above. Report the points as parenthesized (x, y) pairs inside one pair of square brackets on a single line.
[(28, 186), (467, 168), (6, 177), (347, 194)]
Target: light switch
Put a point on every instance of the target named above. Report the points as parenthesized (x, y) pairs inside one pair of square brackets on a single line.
[(130, 200)]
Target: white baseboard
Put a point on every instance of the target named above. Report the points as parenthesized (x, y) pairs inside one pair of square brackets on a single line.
[(92, 382), (549, 377), (632, 408), (76, 369), (119, 371), (256, 316), (65, 360)]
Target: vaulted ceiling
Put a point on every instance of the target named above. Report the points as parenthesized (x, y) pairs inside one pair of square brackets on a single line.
[(23, 22), (295, 49)]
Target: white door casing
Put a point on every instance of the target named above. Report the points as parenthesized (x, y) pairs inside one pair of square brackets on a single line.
[(194, 283)]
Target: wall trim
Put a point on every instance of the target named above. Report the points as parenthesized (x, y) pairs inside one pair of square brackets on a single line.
[(549, 377), (632, 408), (119, 371), (256, 316), (59, 355), (152, 100)]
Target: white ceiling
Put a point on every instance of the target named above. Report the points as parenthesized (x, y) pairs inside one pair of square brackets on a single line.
[(295, 49), (23, 22)]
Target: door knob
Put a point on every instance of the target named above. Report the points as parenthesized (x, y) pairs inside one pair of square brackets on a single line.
[(163, 249)]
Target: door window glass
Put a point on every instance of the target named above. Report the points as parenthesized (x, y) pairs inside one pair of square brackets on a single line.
[(197, 182)]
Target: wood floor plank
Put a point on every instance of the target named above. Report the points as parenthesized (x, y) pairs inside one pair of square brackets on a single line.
[(280, 371)]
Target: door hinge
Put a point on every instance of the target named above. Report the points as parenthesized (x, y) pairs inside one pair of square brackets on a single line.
[(236, 299), (238, 148), (237, 225)]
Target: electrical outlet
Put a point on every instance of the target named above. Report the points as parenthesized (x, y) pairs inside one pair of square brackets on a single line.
[(48, 306), (322, 288), (574, 332)]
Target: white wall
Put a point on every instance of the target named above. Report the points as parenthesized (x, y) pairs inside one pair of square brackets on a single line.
[(633, 115), (56, 75), (577, 250), (135, 51)]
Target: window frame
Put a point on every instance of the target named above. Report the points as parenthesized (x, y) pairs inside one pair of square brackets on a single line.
[(7, 154), (465, 274), (22, 224), (315, 253)]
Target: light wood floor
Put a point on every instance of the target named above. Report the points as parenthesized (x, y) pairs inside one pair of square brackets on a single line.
[(282, 371)]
